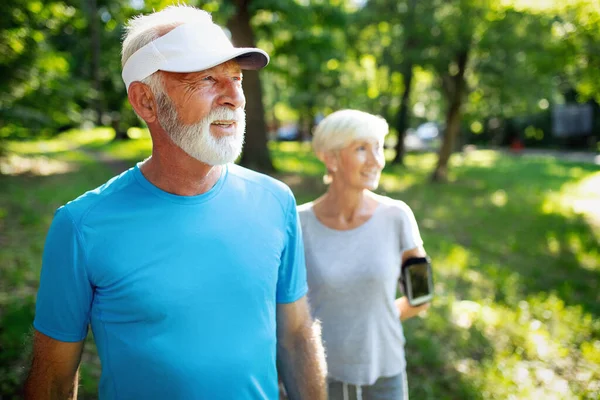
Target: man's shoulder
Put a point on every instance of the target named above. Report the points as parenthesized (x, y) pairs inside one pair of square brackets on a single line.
[(82, 205), (261, 182)]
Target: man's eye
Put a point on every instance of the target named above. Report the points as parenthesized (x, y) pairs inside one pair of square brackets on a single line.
[(208, 78), (361, 148)]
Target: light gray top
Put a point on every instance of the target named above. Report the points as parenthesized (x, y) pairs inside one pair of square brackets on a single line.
[(352, 281)]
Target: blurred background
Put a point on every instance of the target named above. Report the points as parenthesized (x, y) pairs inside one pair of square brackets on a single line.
[(494, 113)]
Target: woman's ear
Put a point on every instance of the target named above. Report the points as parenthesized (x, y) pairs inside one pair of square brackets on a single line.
[(331, 161), (143, 102)]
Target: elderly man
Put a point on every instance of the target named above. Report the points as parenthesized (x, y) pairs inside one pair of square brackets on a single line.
[(189, 269)]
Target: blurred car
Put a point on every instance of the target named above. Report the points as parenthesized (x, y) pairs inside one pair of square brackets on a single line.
[(287, 132), (428, 131)]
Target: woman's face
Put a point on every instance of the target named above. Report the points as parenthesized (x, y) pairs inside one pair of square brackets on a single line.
[(359, 164)]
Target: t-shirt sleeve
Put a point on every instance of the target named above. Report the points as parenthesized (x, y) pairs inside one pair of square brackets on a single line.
[(409, 231), (291, 282), (65, 293)]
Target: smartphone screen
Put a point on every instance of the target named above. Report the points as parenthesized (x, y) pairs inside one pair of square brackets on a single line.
[(419, 279), (419, 283)]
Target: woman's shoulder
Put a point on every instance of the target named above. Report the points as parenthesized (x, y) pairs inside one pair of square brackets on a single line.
[(305, 208), (395, 207), (305, 211)]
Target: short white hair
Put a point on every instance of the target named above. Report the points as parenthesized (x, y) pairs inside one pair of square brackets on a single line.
[(142, 29), (343, 127)]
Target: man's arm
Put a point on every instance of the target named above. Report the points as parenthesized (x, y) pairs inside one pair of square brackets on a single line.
[(404, 308), (300, 354), (54, 369)]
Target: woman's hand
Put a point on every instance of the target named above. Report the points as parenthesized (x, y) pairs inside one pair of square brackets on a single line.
[(407, 311)]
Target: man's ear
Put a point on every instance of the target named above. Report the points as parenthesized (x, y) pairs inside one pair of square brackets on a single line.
[(143, 102)]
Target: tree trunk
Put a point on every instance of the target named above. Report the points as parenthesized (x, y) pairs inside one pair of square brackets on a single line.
[(120, 130), (309, 122), (256, 153), (454, 93), (402, 118), (95, 66)]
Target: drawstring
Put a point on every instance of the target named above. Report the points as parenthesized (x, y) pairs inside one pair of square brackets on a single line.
[(345, 392)]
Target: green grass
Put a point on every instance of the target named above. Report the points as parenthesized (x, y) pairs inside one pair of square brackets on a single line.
[(514, 243)]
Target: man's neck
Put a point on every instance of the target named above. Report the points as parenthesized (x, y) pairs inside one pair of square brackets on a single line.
[(180, 174)]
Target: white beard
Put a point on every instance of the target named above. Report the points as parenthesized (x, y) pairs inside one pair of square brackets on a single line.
[(196, 139)]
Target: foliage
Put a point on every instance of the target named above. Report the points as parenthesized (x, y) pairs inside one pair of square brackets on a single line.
[(307, 44), (524, 57), (30, 71)]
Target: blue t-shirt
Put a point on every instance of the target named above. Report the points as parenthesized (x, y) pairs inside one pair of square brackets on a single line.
[(180, 291)]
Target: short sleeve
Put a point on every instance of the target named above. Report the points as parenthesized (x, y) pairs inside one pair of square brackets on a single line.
[(291, 282), (409, 231), (65, 294)]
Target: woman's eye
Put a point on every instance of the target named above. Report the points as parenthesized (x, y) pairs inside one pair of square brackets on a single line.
[(361, 148)]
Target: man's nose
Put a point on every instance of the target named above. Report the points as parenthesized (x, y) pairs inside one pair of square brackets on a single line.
[(232, 95)]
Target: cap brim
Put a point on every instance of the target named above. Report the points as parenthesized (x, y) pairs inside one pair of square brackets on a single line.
[(248, 58), (252, 59)]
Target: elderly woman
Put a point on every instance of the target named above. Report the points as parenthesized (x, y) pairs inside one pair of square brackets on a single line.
[(355, 242)]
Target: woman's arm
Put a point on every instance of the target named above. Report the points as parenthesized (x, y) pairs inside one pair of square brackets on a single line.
[(407, 311)]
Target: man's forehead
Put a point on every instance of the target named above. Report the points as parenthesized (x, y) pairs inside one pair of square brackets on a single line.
[(230, 67)]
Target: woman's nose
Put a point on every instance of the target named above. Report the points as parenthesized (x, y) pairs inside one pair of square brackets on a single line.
[(376, 157)]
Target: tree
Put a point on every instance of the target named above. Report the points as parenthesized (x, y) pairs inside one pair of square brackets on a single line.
[(406, 69), (39, 91), (576, 27), (93, 24), (308, 44), (401, 53), (490, 59), (256, 154), (458, 23), (454, 89)]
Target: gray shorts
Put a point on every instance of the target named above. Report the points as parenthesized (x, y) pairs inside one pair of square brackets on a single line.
[(392, 388)]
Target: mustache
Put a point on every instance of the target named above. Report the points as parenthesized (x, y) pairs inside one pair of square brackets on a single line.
[(225, 113)]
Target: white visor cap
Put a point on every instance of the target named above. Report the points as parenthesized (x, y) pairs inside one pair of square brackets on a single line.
[(190, 48)]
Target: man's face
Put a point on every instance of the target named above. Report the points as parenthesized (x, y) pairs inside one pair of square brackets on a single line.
[(203, 112)]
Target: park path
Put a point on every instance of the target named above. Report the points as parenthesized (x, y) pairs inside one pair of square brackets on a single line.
[(413, 143), (575, 156), (116, 165)]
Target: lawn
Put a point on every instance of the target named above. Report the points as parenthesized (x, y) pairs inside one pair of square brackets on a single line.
[(514, 243)]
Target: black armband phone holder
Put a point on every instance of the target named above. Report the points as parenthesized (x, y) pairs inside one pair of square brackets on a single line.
[(416, 278)]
